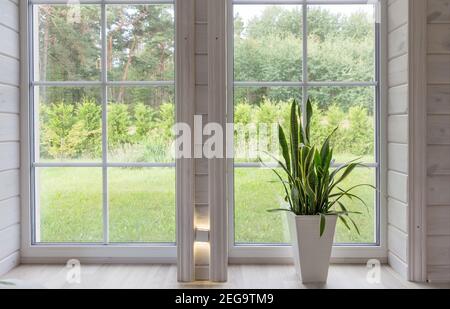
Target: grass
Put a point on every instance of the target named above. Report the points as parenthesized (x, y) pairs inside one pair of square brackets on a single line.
[(142, 206)]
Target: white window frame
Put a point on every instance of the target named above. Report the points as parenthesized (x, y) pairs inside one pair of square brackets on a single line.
[(87, 252), (358, 253)]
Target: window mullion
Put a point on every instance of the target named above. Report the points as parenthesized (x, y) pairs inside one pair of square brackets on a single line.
[(104, 125), (305, 58)]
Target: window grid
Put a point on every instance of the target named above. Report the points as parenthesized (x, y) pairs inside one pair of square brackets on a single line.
[(104, 84), (304, 85)]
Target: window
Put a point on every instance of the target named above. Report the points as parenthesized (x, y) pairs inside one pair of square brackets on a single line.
[(328, 53), (103, 105)]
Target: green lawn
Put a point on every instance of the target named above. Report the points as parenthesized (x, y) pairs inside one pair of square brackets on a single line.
[(142, 206)]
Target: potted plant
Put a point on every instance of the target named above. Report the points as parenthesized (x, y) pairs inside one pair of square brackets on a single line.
[(314, 197)]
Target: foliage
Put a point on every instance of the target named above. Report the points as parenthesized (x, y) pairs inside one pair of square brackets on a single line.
[(57, 131), (119, 122), (144, 116), (311, 184), (89, 117)]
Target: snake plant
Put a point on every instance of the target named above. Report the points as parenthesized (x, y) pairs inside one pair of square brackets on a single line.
[(312, 183)]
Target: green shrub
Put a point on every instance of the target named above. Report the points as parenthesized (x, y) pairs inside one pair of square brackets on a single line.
[(243, 113), (144, 116), (56, 132), (360, 135), (119, 123), (89, 120), (165, 121)]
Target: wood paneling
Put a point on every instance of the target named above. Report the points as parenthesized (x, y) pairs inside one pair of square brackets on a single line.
[(9, 127), (398, 129), (10, 71), (9, 156), (438, 220), (438, 152), (9, 262), (398, 42), (398, 71), (398, 243), (9, 99), (398, 134), (201, 10), (398, 214), (398, 186), (398, 157), (9, 184), (438, 69), (438, 11), (438, 160), (439, 129), (438, 192), (10, 42), (9, 14), (398, 100), (9, 135), (438, 250), (439, 38), (397, 14), (9, 212), (9, 241), (438, 100)]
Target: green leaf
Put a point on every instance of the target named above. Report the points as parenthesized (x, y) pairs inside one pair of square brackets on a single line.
[(345, 222), (294, 139), (322, 224), (284, 147)]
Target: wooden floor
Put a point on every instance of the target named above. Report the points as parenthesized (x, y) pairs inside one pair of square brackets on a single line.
[(240, 277)]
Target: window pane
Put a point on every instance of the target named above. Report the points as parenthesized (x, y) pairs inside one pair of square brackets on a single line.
[(257, 113), (69, 127), (69, 42), (140, 122), (341, 43), (254, 225), (140, 42), (142, 204), (256, 191), (366, 220), (352, 111), (267, 42), (69, 206)]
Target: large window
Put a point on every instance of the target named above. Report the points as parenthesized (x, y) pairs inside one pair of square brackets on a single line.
[(329, 54), (102, 95)]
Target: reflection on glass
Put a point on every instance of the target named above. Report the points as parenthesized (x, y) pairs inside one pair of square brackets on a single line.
[(142, 205), (69, 127), (140, 42), (69, 207), (267, 43), (69, 42)]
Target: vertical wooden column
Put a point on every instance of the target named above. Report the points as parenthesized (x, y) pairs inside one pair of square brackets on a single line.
[(417, 264), (185, 109), (217, 106)]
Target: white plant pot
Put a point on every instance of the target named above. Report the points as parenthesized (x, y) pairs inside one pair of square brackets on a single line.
[(311, 251)]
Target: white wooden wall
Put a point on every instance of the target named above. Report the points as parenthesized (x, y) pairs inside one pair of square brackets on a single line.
[(9, 135), (201, 108), (398, 128), (438, 193)]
